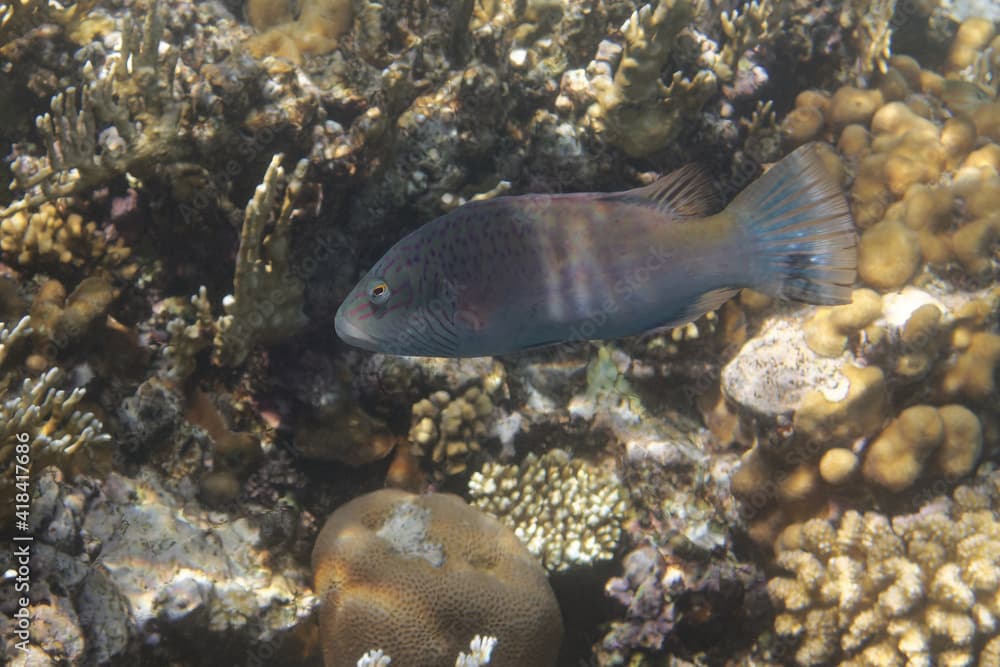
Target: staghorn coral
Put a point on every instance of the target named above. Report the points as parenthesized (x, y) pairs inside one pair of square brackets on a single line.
[(267, 299), (916, 589), (37, 416), (417, 575), (634, 107), (871, 26), (566, 511), (94, 138)]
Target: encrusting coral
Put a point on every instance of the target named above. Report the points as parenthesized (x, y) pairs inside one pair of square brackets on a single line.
[(917, 589), (566, 511), (417, 576)]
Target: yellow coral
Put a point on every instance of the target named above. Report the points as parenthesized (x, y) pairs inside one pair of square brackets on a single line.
[(916, 592), (450, 429), (827, 332), (819, 419), (52, 235), (895, 459), (973, 373), (316, 30)]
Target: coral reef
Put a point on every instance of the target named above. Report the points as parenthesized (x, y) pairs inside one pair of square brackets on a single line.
[(128, 563), (266, 304), (134, 133), (49, 236), (41, 423), (638, 111), (567, 512), (417, 574), (916, 589), (904, 376), (449, 430), (314, 30), (480, 650)]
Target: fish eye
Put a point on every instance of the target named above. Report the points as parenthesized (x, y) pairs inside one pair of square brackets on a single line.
[(379, 292)]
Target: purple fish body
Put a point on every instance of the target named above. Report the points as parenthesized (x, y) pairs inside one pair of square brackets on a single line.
[(513, 273)]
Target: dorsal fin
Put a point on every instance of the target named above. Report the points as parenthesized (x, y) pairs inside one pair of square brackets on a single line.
[(686, 192)]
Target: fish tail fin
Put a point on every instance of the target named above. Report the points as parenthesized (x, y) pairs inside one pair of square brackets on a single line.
[(800, 227)]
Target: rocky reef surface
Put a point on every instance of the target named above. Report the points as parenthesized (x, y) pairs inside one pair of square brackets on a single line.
[(188, 191)]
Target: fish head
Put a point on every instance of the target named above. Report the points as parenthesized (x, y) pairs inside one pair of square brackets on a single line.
[(397, 309)]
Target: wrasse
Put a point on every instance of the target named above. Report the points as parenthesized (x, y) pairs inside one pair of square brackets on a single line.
[(513, 273)]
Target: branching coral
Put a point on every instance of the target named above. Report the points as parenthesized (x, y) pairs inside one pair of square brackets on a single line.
[(634, 106), (757, 22), (125, 120), (36, 413), (54, 236), (918, 589), (19, 16), (566, 511), (871, 24), (267, 299), (266, 304)]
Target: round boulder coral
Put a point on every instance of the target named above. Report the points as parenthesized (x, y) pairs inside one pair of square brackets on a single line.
[(419, 576)]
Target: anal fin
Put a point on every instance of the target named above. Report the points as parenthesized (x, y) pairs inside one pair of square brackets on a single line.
[(705, 303)]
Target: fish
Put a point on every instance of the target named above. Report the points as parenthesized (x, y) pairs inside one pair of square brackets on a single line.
[(515, 273)]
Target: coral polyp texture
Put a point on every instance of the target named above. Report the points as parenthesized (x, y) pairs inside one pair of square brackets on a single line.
[(418, 575), (914, 589), (566, 511)]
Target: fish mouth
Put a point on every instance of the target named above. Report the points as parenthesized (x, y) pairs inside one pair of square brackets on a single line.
[(352, 334)]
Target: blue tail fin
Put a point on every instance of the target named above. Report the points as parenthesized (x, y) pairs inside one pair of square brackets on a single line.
[(800, 226)]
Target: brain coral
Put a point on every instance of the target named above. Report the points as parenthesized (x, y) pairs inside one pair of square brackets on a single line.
[(915, 590), (418, 576)]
